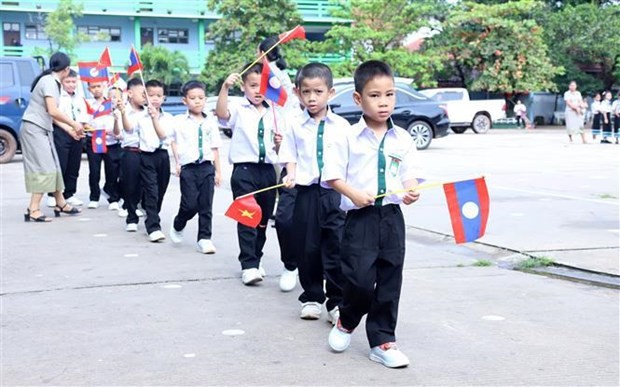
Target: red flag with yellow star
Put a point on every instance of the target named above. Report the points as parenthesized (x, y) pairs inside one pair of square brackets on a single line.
[(246, 211)]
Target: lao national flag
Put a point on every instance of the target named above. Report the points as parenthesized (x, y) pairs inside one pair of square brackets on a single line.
[(296, 33), (134, 62), (105, 60), (271, 87), (90, 72), (98, 142), (246, 211), (104, 109), (468, 203)]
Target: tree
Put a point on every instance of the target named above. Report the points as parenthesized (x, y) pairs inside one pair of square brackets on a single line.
[(60, 29), (243, 25), (377, 29), (498, 47), (164, 65)]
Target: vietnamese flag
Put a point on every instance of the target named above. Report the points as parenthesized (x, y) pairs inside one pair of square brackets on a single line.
[(296, 33), (89, 109), (98, 141), (114, 78), (246, 211), (270, 85), (134, 62), (468, 203), (105, 60)]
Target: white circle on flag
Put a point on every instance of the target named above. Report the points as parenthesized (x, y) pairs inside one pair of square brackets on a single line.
[(98, 140), (274, 82), (101, 108), (94, 72), (470, 210)]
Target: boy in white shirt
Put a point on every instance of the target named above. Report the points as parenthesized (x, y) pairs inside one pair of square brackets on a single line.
[(195, 146)]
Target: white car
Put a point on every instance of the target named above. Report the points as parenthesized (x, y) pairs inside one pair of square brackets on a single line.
[(465, 113)]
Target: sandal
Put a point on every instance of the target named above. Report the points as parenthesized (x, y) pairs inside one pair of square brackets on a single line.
[(64, 210), (41, 218)]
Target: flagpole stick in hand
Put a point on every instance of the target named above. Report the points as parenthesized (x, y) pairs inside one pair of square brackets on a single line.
[(283, 38), (261, 190), (417, 188)]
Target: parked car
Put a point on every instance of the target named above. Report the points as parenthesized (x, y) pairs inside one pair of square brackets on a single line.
[(422, 117), (465, 113), (16, 77)]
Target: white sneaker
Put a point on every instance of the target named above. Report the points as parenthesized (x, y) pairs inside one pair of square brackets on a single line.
[(122, 213), (113, 206), (131, 227), (51, 201), (74, 201), (389, 355), (288, 280), (93, 205), (205, 246), (140, 213), (157, 236), (176, 236), (310, 311), (339, 338), (333, 315), (250, 276)]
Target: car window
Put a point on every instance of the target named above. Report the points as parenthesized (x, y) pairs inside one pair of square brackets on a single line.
[(7, 78), (450, 96), (26, 74), (345, 98), (403, 98)]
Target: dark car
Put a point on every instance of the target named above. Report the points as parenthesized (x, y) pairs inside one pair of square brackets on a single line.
[(16, 76), (422, 117)]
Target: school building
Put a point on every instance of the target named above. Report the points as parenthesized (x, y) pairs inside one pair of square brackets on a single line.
[(175, 24)]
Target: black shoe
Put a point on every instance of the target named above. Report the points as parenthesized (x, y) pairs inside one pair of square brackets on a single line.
[(605, 141), (41, 218), (65, 210)]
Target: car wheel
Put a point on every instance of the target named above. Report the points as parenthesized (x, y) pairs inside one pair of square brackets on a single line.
[(481, 123), (459, 130), (422, 134), (8, 146)]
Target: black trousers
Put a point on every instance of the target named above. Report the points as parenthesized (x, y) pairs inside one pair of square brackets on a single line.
[(131, 187), (596, 121), (284, 224), (248, 177), (372, 253), (111, 166), (154, 177), (318, 223), (197, 190), (70, 158), (606, 126)]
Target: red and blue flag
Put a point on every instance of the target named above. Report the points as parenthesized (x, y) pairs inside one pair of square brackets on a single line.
[(98, 141), (271, 87), (105, 60), (104, 109), (468, 203), (134, 62), (91, 72)]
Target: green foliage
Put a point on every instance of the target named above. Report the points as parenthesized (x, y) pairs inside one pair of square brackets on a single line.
[(244, 24), (376, 29), (482, 263), (498, 47), (60, 28), (164, 65), (532, 263)]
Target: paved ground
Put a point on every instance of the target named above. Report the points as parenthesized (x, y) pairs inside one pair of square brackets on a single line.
[(84, 303)]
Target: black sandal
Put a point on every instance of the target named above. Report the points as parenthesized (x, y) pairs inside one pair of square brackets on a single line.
[(72, 211), (41, 218)]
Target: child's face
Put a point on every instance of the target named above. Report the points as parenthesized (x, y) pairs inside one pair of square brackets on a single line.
[(251, 88), (313, 94), (96, 89), (69, 84), (597, 97), (115, 96), (156, 96), (377, 99), (195, 100), (608, 96), (136, 95)]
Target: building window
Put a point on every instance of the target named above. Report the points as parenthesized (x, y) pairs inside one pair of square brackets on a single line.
[(146, 35), (35, 32), (101, 34), (11, 34), (170, 35)]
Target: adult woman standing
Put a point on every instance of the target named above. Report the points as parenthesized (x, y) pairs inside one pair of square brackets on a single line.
[(572, 114), (41, 165)]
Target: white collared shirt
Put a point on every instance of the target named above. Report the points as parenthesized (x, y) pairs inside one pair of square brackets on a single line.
[(102, 123), (355, 160), (595, 107), (73, 106), (244, 121), (615, 107), (149, 140), (605, 106), (300, 141), (186, 137), (133, 116)]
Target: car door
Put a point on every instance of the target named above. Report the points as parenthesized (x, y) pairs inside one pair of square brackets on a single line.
[(343, 105), (12, 103)]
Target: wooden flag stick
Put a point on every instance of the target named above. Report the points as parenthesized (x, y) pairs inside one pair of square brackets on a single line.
[(260, 190), (261, 56), (417, 188)]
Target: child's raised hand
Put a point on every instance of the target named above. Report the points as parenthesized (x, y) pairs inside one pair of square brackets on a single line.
[(362, 199), (154, 113), (231, 80)]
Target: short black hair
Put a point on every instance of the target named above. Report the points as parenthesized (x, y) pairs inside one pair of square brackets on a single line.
[(273, 53), (256, 68), (368, 71), (72, 74), (154, 83), (315, 70), (191, 85), (133, 82)]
